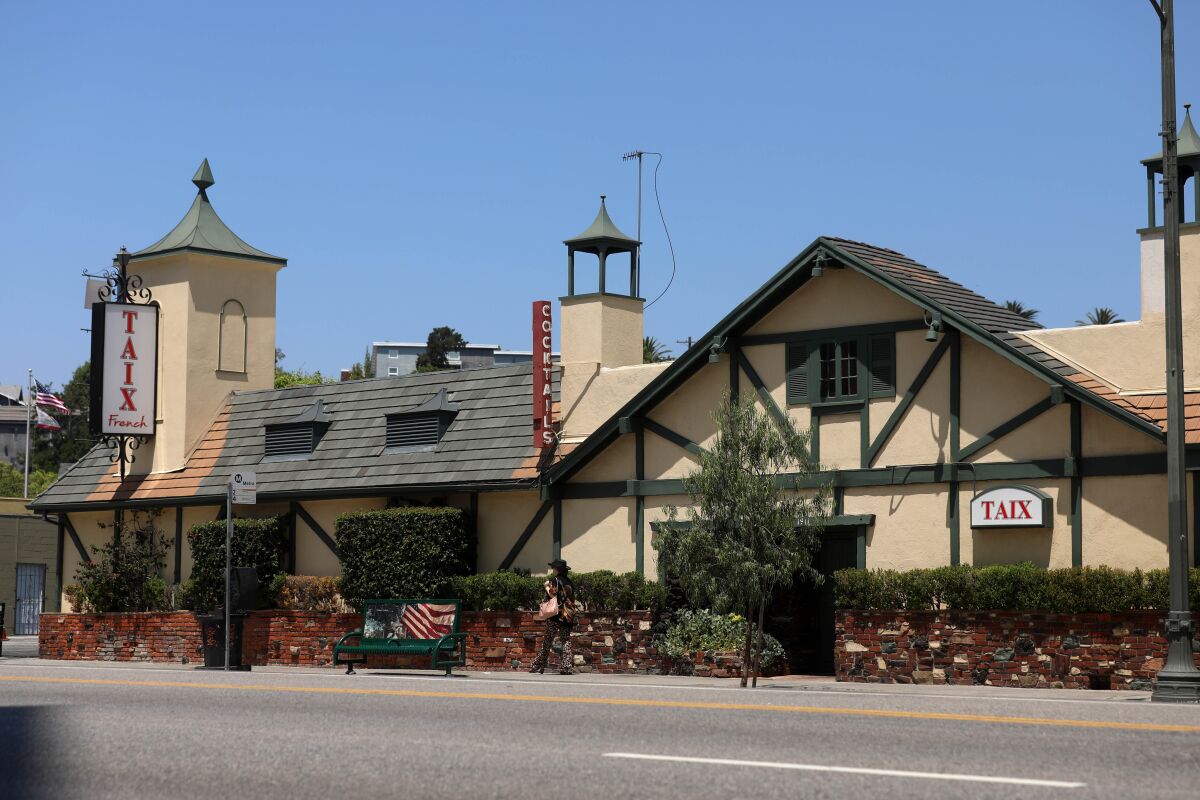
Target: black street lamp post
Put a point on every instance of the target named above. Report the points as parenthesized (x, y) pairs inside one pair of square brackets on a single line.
[(1179, 680)]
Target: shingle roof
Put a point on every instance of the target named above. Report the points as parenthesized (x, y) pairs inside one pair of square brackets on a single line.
[(489, 444)]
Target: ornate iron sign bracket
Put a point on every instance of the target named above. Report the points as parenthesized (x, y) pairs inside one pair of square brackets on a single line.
[(121, 287)]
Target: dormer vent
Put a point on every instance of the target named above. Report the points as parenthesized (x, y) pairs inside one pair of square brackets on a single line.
[(420, 428), (299, 436)]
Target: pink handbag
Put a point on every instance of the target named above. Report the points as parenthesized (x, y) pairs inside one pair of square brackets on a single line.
[(548, 609)]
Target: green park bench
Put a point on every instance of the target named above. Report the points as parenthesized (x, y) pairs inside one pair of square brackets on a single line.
[(404, 627)]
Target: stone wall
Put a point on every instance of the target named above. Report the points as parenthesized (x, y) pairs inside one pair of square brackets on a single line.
[(617, 642), (1001, 648)]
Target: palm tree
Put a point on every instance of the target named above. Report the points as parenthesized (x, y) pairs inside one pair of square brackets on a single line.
[(1018, 308), (654, 351), (1100, 315)]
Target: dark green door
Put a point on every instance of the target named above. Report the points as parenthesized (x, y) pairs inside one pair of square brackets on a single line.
[(802, 617)]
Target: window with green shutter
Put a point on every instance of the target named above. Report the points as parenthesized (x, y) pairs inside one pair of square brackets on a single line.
[(830, 370)]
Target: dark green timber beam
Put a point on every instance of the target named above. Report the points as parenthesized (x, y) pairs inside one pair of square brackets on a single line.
[(316, 528), (910, 394), (955, 452), (178, 544), (1076, 484), (756, 340), (79, 548), (558, 514), (761, 388), (1006, 427), (538, 516), (671, 436), (639, 471)]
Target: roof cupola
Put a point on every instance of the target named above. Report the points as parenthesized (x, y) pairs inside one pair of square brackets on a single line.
[(1188, 149), (602, 239)]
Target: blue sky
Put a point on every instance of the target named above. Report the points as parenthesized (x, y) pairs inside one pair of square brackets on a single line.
[(420, 164)]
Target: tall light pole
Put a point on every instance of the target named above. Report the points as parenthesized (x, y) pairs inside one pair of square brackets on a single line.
[(1179, 680)]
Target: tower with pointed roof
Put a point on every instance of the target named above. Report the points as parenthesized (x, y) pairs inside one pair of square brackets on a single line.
[(217, 322), (1153, 296), (602, 327)]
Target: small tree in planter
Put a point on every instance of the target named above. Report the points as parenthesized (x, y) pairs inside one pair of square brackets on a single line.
[(125, 574), (748, 532)]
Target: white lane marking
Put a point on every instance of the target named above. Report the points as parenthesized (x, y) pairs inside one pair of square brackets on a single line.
[(887, 773), (779, 690)]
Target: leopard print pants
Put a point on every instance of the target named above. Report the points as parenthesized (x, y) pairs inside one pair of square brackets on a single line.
[(556, 628)]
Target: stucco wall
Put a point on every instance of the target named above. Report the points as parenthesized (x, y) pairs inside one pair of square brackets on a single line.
[(502, 518), (599, 534), (25, 539), (910, 528)]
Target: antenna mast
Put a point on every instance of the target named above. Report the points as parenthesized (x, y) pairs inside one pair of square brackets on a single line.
[(628, 157)]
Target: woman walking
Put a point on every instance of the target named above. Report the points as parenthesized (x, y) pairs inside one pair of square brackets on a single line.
[(558, 587)]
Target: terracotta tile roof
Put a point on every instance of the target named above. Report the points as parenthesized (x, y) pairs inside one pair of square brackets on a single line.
[(1150, 407), (488, 444)]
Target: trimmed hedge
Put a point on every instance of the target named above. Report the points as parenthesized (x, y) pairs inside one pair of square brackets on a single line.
[(597, 591), (1015, 587), (402, 552), (257, 543)]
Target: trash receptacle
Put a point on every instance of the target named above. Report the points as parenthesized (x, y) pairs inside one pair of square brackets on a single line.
[(212, 638)]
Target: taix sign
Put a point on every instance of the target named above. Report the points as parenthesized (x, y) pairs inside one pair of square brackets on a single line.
[(124, 369), (1011, 507)]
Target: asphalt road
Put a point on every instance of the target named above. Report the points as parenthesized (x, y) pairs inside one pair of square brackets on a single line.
[(94, 731)]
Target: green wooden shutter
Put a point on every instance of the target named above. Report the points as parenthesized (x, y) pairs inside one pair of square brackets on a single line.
[(797, 373), (883, 365)]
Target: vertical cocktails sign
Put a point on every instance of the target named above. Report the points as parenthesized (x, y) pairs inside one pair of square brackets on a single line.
[(543, 390), (124, 366)]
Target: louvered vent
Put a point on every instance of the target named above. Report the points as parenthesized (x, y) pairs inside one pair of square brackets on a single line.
[(412, 430), (797, 373), (290, 440), (883, 366)]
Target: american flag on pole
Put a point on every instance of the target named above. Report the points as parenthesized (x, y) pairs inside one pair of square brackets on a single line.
[(43, 397), (428, 620)]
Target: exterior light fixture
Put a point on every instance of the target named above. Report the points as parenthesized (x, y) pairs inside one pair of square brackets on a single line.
[(935, 327), (714, 351), (818, 268)]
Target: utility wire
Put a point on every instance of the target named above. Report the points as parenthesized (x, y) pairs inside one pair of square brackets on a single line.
[(670, 244)]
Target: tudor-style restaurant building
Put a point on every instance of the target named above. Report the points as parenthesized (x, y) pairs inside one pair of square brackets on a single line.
[(921, 395)]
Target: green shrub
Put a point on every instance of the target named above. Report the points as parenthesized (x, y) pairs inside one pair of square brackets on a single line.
[(401, 552), (124, 575), (601, 590), (702, 630), (1008, 587), (257, 543), (497, 591)]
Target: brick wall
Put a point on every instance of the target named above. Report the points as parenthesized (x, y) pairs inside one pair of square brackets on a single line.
[(618, 642), (1001, 648)]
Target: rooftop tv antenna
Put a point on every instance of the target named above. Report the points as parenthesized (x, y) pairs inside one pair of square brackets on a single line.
[(639, 155)]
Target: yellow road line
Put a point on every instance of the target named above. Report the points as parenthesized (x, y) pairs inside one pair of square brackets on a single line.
[(601, 701)]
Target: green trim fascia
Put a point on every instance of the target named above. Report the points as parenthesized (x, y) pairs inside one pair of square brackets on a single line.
[(955, 509), (836, 521), (206, 251), (861, 548), (316, 528), (848, 331), (671, 436), (910, 394), (1005, 428), (989, 340), (764, 394), (953, 514), (519, 545)]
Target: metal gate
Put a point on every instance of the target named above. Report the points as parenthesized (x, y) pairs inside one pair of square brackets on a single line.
[(31, 586)]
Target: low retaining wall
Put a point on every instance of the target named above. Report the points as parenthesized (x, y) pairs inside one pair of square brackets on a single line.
[(617, 642), (1001, 648)]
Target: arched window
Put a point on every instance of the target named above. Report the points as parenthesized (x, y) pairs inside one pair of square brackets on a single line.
[(232, 345)]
